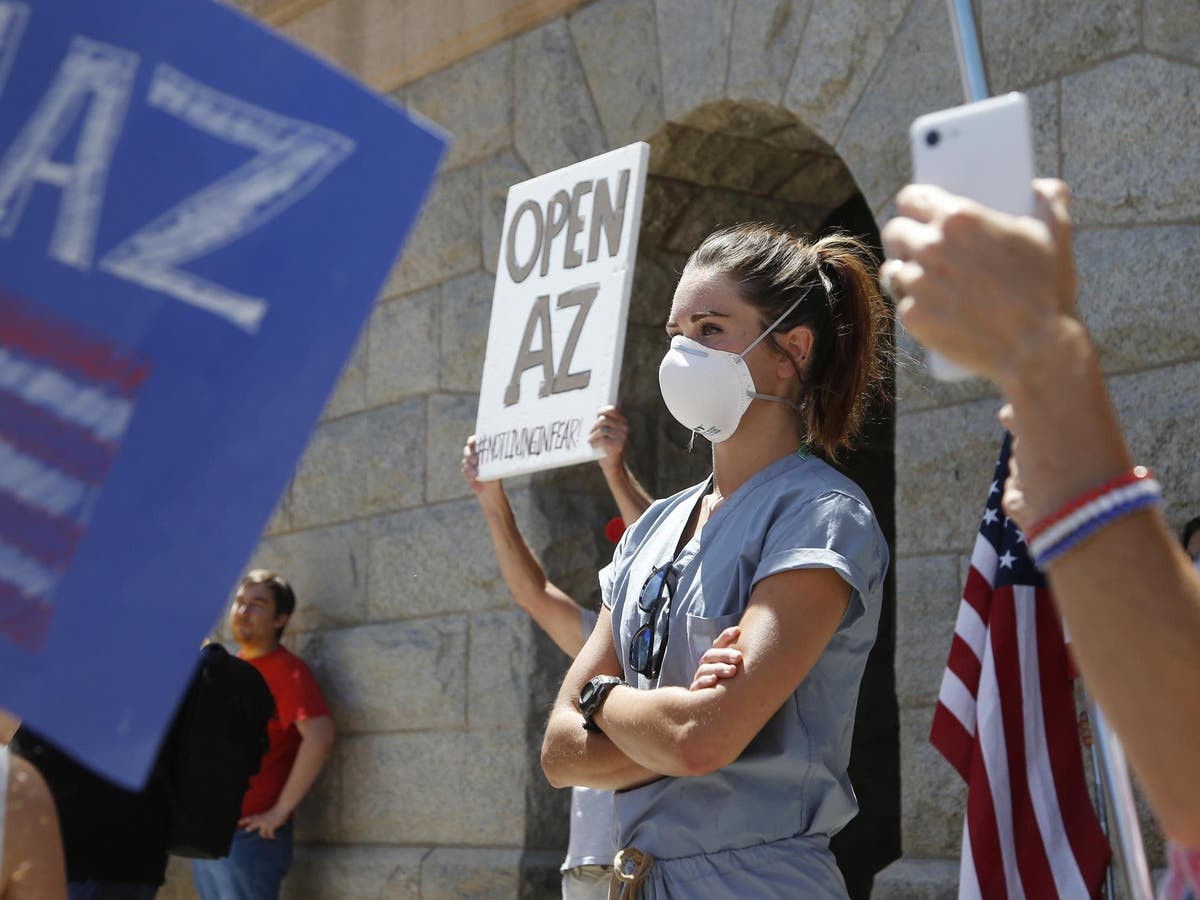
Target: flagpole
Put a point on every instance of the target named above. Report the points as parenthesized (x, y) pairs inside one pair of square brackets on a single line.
[(1115, 777), (1110, 890), (966, 42)]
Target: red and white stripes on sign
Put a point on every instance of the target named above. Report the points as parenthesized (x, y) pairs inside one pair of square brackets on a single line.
[(95, 410), (58, 435), (1005, 719), (67, 397)]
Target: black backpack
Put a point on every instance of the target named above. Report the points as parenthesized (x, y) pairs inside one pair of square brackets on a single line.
[(216, 742)]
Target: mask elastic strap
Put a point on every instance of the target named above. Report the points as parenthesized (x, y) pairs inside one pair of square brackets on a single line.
[(758, 340), (770, 328), (795, 406)]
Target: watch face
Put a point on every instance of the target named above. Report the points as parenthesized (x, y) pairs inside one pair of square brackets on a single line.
[(594, 690), (587, 694)]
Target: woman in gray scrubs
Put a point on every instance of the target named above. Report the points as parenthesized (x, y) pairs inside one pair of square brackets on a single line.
[(717, 693)]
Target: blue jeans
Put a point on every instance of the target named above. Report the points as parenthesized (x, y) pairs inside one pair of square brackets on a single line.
[(253, 870)]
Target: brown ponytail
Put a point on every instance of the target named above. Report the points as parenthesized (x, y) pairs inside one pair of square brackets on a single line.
[(841, 303)]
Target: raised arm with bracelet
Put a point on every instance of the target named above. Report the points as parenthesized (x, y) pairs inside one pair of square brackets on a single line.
[(1127, 593)]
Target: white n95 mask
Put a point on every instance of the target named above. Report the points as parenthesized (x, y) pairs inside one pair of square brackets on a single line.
[(708, 391)]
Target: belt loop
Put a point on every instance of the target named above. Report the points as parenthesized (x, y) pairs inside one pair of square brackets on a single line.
[(630, 868)]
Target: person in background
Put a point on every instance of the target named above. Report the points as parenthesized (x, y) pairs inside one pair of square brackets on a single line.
[(31, 851), (997, 295), (586, 871), (114, 841), (301, 737)]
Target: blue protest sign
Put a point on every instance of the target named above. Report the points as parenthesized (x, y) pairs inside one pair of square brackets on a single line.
[(195, 217)]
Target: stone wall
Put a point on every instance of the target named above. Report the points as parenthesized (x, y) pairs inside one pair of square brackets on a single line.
[(388, 43), (438, 686)]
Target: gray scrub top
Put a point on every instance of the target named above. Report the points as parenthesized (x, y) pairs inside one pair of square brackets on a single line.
[(761, 824)]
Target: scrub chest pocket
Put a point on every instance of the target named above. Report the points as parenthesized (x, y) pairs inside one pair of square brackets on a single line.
[(703, 630)]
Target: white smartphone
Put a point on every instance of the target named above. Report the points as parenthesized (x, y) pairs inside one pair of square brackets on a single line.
[(984, 151)]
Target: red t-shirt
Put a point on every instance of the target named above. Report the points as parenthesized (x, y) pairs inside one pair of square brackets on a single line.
[(297, 698)]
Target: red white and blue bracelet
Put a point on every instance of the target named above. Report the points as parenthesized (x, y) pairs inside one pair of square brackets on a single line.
[(1057, 533)]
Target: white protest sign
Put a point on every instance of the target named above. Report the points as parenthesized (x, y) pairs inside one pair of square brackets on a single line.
[(558, 313)]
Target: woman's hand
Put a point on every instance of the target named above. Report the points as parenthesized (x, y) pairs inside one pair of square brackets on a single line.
[(719, 661), (609, 434), (486, 492)]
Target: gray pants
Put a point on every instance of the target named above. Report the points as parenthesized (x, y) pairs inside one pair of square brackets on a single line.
[(586, 883)]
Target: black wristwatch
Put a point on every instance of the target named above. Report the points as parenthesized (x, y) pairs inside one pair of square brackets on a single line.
[(592, 697)]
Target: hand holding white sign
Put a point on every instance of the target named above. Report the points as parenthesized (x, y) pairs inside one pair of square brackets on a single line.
[(609, 433)]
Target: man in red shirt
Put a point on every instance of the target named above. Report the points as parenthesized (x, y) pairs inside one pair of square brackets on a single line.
[(301, 737)]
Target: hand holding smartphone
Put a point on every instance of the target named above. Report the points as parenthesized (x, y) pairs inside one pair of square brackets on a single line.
[(983, 151)]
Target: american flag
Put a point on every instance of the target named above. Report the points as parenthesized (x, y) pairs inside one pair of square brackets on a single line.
[(66, 399), (1005, 719)]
